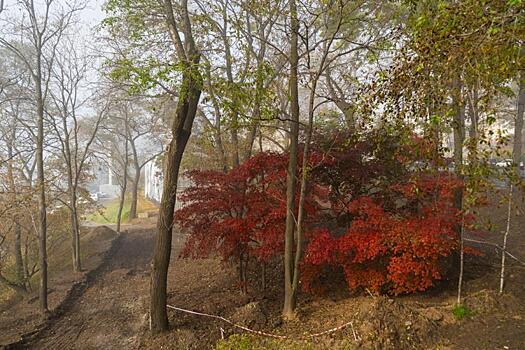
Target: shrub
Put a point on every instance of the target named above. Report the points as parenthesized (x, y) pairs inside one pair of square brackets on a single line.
[(241, 215), (395, 252), (461, 311)]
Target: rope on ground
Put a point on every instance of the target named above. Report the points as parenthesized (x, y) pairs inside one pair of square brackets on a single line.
[(495, 245), (277, 336)]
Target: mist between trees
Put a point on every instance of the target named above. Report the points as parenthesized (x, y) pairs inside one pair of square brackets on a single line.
[(354, 136)]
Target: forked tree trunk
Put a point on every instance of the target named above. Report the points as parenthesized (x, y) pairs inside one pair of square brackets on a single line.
[(190, 91), (289, 293)]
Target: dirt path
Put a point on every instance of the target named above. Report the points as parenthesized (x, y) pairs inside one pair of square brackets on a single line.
[(111, 313)]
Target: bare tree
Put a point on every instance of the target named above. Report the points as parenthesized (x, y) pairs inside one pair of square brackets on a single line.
[(289, 293), (75, 134), (43, 31), (143, 138), (188, 99)]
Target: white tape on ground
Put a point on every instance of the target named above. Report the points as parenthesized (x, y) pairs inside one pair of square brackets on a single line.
[(277, 336)]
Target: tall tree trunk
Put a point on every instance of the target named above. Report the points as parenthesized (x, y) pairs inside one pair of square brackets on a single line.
[(26, 265), (289, 294), (19, 261), (229, 75), (190, 91), (134, 194), (136, 180), (504, 245), (459, 138), (121, 202), (251, 138), (123, 187), (75, 229), (42, 215), (217, 125), (473, 102), (517, 149)]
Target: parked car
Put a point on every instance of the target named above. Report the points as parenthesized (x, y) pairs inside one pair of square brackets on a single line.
[(504, 163)]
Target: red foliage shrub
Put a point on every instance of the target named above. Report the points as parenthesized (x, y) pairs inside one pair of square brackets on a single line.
[(394, 252), (371, 212), (241, 213)]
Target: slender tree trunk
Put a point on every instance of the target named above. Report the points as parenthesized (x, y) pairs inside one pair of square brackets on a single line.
[(459, 138), (121, 202), (134, 194), (217, 126), (251, 140), (19, 261), (504, 247), (136, 180), (181, 130), (289, 294), (75, 229), (473, 130), (123, 188), (517, 149), (42, 206), (461, 259), (26, 265), (304, 182), (222, 153)]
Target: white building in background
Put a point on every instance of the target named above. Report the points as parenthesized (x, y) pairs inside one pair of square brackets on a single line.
[(153, 178), (104, 182), (153, 183)]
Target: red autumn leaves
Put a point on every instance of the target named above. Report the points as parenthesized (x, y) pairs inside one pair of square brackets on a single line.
[(388, 230)]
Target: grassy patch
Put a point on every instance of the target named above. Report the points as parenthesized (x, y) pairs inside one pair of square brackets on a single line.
[(461, 311), (108, 214)]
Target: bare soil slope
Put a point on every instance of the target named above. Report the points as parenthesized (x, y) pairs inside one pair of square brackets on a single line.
[(111, 312)]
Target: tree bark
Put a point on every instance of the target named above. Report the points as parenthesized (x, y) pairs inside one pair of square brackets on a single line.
[(136, 180), (190, 91), (134, 195), (42, 215), (459, 138), (517, 149), (124, 185), (19, 261), (504, 245), (289, 294), (473, 102)]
